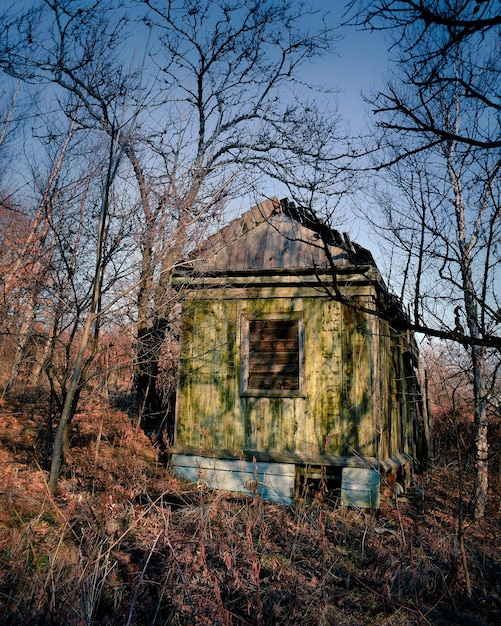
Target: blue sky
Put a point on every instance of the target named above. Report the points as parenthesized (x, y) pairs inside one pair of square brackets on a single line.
[(359, 65)]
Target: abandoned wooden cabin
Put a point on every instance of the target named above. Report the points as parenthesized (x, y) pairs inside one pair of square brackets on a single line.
[(294, 367)]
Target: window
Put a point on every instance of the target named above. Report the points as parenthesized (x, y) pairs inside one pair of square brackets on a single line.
[(272, 355)]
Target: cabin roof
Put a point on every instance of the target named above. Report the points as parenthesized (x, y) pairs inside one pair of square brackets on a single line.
[(276, 239), (277, 236)]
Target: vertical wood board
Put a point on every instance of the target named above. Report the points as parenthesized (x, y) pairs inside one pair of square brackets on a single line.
[(358, 426)]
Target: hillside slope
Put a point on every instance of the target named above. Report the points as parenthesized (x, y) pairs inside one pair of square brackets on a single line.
[(127, 543)]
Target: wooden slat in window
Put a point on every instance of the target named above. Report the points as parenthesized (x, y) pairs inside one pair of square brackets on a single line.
[(273, 383), (274, 354)]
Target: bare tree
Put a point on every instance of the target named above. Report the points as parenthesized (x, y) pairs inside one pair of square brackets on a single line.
[(223, 110), (440, 137), (70, 51), (425, 36), (14, 225), (229, 84), (9, 101), (218, 106), (92, 319), (32, 255)]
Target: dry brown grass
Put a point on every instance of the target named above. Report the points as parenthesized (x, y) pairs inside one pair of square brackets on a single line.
[(126, 543)]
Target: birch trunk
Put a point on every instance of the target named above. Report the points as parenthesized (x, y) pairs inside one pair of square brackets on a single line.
[(466, 242)]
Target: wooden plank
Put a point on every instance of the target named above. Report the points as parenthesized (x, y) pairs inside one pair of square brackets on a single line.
[(251, 292), (274, 345), (272, 329), (296, 458), (269, 380), (325, 342), (208, 402), (354, 280), (271, 350), (396, 461), (270, 359), (358, 432)]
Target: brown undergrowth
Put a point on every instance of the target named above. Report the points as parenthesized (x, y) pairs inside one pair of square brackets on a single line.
[(126, 543)]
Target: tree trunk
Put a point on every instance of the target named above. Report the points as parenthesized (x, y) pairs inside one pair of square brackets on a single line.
[(478, 353), (74, 388), (70, 402), (22, 342), (148, 398), (481, 432)]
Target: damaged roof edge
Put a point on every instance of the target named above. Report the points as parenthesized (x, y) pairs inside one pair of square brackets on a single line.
[(246, 248), (328, 235), (264, 212)]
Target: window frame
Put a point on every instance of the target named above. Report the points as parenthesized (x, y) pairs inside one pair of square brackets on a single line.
[(245, 390)]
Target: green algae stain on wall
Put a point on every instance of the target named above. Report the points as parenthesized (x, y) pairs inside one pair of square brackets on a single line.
[(209, 387), (357, 387)]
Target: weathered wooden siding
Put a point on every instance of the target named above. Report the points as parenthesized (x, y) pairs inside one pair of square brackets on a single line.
[(256, 306), (358, 422), (393, 400), (285, 244), (382, 366), (322, 432), (334, 417), (208, 383)]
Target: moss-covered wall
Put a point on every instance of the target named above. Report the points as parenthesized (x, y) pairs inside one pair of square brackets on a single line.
[(393, 399), (341, 408)]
